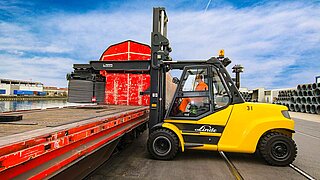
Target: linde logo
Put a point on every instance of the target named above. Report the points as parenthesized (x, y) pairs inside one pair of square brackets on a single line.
[(206, 128), (107, 65)]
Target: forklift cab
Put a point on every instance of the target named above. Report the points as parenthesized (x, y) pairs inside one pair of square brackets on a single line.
[(193, 103)]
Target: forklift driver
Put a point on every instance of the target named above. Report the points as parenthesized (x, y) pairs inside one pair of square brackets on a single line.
[(201, 86)]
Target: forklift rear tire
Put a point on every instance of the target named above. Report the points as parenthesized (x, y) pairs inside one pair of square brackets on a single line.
[(163, 144), (277, 149)]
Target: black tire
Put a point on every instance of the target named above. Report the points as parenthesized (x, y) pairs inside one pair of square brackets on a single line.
[(163, 144), (277, 149)]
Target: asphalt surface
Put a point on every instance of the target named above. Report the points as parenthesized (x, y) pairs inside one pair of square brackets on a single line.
[(307, 138), (134, 162)]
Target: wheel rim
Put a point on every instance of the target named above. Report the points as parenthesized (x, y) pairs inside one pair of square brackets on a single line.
[(161, 145), (280, 150)]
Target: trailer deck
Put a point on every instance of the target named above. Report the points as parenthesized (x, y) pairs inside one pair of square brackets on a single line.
[(47, 142), (54, 117)]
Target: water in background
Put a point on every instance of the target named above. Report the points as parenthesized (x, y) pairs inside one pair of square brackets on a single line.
[(27, 105)]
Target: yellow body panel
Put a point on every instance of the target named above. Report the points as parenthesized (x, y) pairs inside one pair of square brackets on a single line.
[(177, 131), (244, 124), (248, 122)]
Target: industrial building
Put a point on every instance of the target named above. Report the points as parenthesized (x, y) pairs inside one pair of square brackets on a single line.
[(9, 87), (55, 91)]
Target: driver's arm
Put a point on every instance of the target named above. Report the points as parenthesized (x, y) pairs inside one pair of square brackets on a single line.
[(183, 104)]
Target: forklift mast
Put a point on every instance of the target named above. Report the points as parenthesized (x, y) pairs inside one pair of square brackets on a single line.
[(160, 50)]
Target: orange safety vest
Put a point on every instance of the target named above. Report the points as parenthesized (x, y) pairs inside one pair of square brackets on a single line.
[(202, 86)]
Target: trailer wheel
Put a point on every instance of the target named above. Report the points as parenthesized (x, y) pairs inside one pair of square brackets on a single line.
[(277, 149), (163, 144)]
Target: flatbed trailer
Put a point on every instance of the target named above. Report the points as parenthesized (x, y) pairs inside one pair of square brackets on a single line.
[(64, 142)]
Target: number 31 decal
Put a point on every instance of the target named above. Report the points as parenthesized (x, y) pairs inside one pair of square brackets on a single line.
[(249, 108)]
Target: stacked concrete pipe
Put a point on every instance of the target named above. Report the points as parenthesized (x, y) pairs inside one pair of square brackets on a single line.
[(246, 96), (306, 98)]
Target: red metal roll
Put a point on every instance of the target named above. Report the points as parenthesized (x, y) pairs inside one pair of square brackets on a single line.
[(125, 88)]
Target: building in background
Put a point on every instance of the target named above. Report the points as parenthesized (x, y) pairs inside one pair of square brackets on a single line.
[(11, 87), (261, 94), (55, 91)]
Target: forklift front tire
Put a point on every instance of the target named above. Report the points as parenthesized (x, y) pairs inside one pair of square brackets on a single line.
[(277, 149), (163, 144)]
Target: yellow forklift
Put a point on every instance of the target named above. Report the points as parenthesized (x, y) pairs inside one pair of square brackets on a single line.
[(207, 111)]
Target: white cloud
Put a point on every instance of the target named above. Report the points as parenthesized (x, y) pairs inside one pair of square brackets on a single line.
[(51, 71), (18, 37), (266, 39), (89, 34)]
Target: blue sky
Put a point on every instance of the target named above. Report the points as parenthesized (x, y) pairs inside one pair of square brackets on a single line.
[(278, 42)]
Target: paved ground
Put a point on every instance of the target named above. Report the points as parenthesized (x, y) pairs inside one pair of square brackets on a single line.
[(307, 138), (305, 116), (308, 141), (134, 162)]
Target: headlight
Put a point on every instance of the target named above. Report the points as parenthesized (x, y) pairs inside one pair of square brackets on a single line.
[(286, 114)]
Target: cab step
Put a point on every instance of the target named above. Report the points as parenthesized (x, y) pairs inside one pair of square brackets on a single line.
[(192, 145)]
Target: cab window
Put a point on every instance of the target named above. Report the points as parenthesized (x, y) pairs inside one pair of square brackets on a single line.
[(195, 80), (220, 93), (192, 99), (190, 107)]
